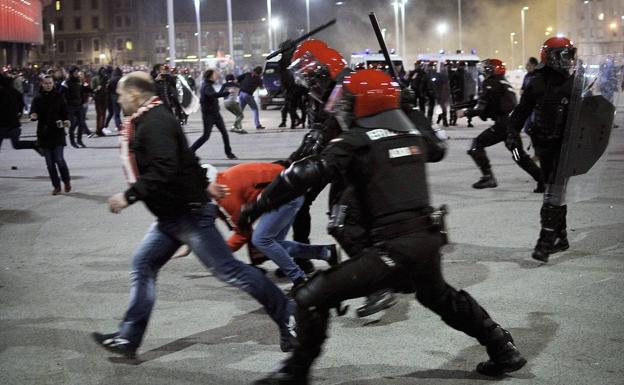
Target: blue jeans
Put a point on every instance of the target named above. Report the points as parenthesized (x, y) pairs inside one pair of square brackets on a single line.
[(195, 228), (244, 99), (54, 158), (13, 133), (269, 237)]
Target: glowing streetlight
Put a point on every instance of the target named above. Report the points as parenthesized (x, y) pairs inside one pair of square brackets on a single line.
[(511, 43), (397, 43), (442, 28), (52, 29), (524, 9), (198, 34), (308, 14), (613, 26)]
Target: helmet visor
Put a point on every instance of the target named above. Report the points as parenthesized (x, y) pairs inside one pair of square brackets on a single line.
[(340, 106)]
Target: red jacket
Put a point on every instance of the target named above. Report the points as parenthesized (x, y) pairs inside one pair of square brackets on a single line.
[(246, 182)]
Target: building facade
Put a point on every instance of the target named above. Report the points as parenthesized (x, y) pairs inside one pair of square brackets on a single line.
[(595, 26), (20, 29), (135, 32)]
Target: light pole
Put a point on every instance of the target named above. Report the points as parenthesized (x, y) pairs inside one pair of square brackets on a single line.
[(199, 52), (230, 29), (402, 4), (524, 9), (396, 25), (308, 14), (171, 28), (442, 28), (459, 22), (511, 43), (275, 24), (269, 21), (52, 28)]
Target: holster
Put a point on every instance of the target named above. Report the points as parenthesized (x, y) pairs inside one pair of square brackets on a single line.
[(433, 222)]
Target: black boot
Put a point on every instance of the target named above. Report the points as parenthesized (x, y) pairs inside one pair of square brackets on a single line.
[(486, 181), (377, 302), (553, 236), (504, 355), (72, 142), (286, 374)]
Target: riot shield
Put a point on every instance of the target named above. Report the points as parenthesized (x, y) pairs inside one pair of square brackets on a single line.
[(591, 114), (188, 100)]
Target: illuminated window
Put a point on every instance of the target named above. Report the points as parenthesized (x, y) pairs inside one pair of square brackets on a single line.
[(129, 45), (57, 5)]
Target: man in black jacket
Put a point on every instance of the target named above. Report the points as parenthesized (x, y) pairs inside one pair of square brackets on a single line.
[(496, 100), (249, 83), (11, 107), (166, 175), (73, 97), (211, 116)]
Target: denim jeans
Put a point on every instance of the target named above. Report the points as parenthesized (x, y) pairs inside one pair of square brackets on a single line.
[(54, 158), (244, 99), (195, 228), (13, 133), (269, 237)]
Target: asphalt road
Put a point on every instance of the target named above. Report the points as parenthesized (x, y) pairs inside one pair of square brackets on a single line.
[(65, 262)]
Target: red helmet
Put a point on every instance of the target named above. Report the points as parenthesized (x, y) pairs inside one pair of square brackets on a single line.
[(491, 67), (559, 53), (312, 45), (317, 68), (371, 98)]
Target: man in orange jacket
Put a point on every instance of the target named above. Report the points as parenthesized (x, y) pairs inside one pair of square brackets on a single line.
[(245, 182)]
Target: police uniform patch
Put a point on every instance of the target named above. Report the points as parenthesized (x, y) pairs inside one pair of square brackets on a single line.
[(380, 133), (403, 151)]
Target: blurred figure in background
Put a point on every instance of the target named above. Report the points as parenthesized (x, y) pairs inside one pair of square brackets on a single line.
[(231, 103), (11, 107), (99, 85)]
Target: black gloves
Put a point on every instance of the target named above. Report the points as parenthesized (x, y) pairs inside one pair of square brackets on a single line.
[(248, 215)]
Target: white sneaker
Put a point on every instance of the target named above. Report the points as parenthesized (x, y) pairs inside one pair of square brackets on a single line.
[(107, 131)]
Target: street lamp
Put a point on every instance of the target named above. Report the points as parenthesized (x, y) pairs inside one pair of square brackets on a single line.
[(269, 24), (441, 28), (52, 29), (308, 14), (511, 43), (397, 43), (459, 21), (275, 23), (171, 30), (230, 29), (199, 52), (402, 5), (524, 9)]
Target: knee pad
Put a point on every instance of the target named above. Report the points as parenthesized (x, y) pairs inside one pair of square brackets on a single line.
[(475, 148), (311, 294)]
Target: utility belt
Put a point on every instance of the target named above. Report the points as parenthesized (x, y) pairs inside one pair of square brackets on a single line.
[(433, 222)]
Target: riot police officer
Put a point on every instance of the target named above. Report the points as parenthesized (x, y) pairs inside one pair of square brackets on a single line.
[(496, 101), (547, 97), (382, 155)]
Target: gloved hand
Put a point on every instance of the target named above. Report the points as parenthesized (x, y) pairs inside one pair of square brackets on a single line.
[(512, 141), (248, 215)]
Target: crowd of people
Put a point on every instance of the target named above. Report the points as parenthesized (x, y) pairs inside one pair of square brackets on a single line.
[(369, 140)]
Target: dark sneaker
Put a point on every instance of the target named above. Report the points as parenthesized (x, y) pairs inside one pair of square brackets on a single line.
[(543, 250), (115, 344), (231, 156), (486, 181), (335, 256), (67, 187), (377, 302), (56, 191), (260, 127), (282, 125), (306, 265), (284, 376)]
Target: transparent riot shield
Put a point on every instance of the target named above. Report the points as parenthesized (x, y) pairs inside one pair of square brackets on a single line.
[(596, 93), (188, 100)]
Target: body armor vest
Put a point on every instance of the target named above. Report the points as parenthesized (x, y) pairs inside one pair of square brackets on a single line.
[(552, 96), (394, 173)]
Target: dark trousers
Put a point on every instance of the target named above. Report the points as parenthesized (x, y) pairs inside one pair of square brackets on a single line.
[(426, 105), (548, 153), (74, 115), (290, 108), (101, 104), (210, 119), (114, 111), (13, 133), (408, 263), (54, 159), (494, 135)]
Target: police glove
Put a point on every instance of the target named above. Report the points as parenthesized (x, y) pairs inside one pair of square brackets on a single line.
[(248, 215), (512, 141)]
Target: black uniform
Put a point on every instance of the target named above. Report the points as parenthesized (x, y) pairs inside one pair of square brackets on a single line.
[(547, 97), (424, 91), (405, 254), (495, 102)]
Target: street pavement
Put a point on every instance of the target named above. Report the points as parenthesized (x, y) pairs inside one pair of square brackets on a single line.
[(65, 272)]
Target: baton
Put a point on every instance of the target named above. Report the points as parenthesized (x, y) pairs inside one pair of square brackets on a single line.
[(301, 38), (382, 45)]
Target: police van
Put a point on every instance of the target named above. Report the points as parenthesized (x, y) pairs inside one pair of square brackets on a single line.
[(272, 94), (369, 60)]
